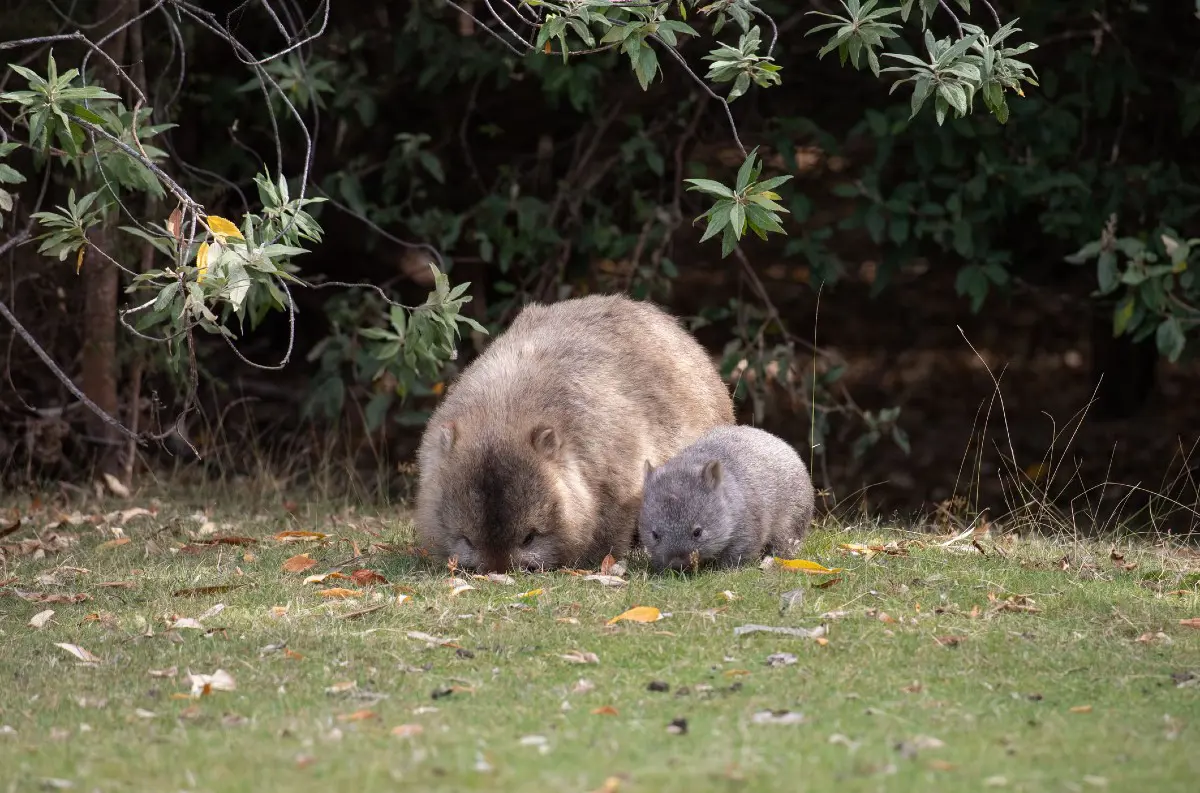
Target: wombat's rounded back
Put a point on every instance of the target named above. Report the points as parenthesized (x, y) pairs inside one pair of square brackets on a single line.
[(774, 479), (621, 382)]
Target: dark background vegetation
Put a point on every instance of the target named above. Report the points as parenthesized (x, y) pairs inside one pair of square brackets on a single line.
[(938, 251)]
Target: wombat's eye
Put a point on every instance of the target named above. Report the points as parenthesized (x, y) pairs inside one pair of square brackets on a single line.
[(528, 539), (697, 531)]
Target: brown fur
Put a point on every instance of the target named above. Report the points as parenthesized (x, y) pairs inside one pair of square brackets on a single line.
[(535, 455)]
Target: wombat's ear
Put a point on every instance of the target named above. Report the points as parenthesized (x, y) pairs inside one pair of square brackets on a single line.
[(545, 441), (711, 475), (647, 468), (447, 434)]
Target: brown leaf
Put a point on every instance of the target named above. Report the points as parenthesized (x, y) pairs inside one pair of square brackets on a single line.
[(367, 577), (299, 536), (407, 730), (113, 543), (607, 710), (288, 652), (230, 541), (358, 715), (606, 564), (829, 583), (1081, 709), (40, 597), (948, 641), (117, 584), (299, 563), (204, 590), (339, 592), (1190, 622)]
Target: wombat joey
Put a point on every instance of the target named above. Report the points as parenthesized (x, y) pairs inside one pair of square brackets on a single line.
[(534, 457), (724, 500)]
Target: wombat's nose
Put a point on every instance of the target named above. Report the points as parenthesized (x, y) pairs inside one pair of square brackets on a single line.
[(677, 563)]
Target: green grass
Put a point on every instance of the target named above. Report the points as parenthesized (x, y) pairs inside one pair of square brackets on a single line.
[(1000, 700)]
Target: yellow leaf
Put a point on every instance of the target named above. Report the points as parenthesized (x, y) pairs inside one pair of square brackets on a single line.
[(201, 262), (805, 566), (531, 593), (220, 227), (638, 614), (339, 592), (79, 258)]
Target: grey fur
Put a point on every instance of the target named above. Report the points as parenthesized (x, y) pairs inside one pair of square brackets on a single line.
[(543, 437), (743, 489)]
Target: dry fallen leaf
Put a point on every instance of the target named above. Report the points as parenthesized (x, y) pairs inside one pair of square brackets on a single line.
[(407, 730), (606, 580), (299, 563), (362, 612), (638, 614), (117, 584), (804, 633), (174, 670), (299, 536), (777, 717), (40, 619), (320, 578), (358, 715), (186, 622), (78, 652), (367, 577), (339, 592), (606, 564), (1191, 622), (1081, 709), (219, 680), (948, 641), (116, 486), (432, 640), (805, 566), (580, 657), (606, 710), (113, 543), (530, 594)]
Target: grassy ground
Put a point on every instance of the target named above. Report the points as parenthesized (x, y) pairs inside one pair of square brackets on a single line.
[(1034, 666)]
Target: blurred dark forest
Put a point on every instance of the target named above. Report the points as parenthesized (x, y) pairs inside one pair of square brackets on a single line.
[(920, 261)]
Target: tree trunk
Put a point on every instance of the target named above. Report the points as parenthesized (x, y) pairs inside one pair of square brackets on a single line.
[(101, 280)]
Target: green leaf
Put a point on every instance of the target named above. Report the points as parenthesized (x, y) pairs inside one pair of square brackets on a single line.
[(1170, 339), (746, 171), (710, 187), (737, 219), (1106, 272)]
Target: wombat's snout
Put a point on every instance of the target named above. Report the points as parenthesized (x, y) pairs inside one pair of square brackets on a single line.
[(679, 563)]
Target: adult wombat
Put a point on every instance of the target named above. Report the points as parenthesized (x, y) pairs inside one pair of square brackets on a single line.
[(534, 458), (725, 499)]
